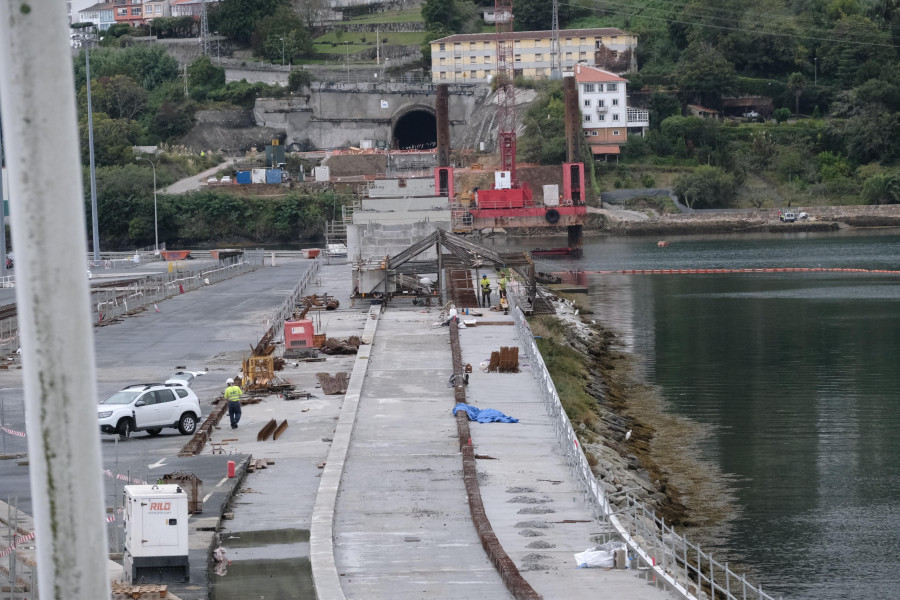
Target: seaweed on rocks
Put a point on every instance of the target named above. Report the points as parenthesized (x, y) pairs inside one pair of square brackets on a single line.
[(631, 443)]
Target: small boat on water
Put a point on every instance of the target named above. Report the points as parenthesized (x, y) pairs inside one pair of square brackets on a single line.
[(556, 252), (662, 244)]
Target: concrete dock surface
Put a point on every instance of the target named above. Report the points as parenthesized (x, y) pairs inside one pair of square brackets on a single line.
[(386, 454)]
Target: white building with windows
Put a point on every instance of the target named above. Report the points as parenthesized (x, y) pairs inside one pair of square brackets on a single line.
[(605, 115), (102, 15), (472, 57)]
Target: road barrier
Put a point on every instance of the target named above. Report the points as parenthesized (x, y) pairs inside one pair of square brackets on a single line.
[(677, 564), (114, 301)]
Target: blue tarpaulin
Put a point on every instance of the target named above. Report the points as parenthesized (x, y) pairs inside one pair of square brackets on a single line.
[(484, 415)]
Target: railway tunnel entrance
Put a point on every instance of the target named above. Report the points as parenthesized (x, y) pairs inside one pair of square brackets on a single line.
[(415, 130)]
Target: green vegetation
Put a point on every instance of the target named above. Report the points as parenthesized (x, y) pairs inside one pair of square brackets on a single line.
[(138, 99), (369, 39), (834, 61), (409, 15), (569, 370), (125, 211)]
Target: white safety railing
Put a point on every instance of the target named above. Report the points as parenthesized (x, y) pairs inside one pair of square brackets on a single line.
[(286, 310), (118, 300), (681, 566), (107, 303)]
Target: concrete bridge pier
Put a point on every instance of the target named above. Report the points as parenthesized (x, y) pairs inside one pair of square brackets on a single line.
[(575, 236)]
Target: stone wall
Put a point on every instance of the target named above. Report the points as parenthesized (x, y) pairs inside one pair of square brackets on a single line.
[(821, 213)]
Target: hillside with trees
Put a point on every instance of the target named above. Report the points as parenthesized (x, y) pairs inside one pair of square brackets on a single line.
[(831, 69)]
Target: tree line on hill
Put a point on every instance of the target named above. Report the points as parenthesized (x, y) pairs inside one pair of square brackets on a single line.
[(836, 62)]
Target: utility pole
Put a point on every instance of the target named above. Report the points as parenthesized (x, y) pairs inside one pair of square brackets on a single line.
[(58, 365), (155, 221), (2, 227), (204, 29), (555, 59), (282, 51), (816, 70), (95, 221)]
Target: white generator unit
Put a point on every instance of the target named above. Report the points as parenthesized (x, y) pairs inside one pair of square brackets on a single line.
[(156, 534), (551, 194), (503, 180)]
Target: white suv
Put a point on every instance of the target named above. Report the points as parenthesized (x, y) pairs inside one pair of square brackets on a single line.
[(150, 407)]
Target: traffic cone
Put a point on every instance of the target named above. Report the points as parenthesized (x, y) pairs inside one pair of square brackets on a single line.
[(156, 307)]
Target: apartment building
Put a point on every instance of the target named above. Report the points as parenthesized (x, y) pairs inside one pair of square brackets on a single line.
[(472, 57), (156, 9), (102, 15), (134, 12), (130, 12), (605, 115)]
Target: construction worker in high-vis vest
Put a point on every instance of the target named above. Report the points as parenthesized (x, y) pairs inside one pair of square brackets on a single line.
[(485, 291), (233, 397)]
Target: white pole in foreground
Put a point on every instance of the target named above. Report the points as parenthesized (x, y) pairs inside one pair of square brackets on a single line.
[(38, 103)]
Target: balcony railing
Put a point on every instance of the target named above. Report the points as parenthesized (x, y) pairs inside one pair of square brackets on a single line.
[(637, 116)]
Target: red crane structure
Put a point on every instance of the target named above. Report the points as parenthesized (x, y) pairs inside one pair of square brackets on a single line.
[(509, 203), (506, 90)]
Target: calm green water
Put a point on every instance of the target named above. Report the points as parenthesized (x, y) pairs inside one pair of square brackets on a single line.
[(795, 376)]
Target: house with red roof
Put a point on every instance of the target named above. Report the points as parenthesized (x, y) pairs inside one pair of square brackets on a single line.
[(606, 117)]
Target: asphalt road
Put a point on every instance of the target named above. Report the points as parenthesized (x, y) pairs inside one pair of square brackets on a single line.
[(209, 329)]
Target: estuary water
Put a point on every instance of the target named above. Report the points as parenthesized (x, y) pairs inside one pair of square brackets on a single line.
[(795, 377)]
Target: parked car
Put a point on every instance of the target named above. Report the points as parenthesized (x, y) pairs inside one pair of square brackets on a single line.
[(183, 378), (788, 217), (150, 407), (225, 179), (752, 114)]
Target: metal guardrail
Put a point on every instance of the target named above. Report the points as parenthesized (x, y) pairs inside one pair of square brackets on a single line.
[(681, 566), (286, 310), (112, 302)]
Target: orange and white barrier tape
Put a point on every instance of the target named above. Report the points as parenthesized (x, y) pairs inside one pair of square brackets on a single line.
[(121, 477), (12, 432), (16, 541)]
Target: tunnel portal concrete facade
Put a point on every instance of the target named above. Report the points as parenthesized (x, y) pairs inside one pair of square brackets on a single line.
[(338, 115)]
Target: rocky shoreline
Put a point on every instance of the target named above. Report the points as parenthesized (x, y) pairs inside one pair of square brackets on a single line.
[(659, 461)]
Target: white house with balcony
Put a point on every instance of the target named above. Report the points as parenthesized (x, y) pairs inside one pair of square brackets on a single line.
[(102, 15), (605, 115)]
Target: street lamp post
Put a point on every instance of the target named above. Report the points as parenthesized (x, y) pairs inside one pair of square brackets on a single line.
[(282, 51), (815, 70), (155, 222)]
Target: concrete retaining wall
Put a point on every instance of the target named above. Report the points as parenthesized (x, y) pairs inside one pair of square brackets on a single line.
[(333, 114)]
